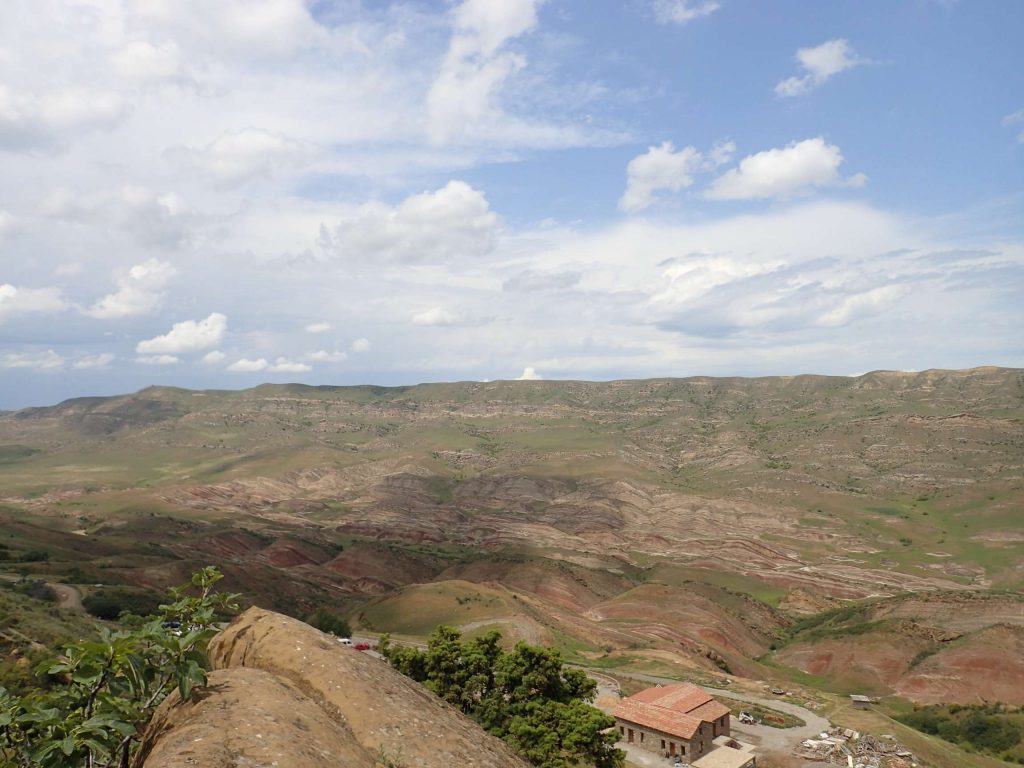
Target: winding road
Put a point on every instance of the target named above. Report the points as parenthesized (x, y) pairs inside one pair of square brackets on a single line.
[(68, 597)]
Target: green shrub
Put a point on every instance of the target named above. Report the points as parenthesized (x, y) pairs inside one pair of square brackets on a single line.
[(108, 689), (110, 602), (325, 621)]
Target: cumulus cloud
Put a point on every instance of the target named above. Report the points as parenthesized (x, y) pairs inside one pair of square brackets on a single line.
[(318, 327), (20, 301), (239, 156), (214, 357), (659, 168), (683, 11), (664, 168), (464, 93), (93, 362), (323, 356), (782, 173), (38, 361), (157, 359), (245, 365), (284, 365), (249, 28), (361, 345), (140, 61), (48, 119), (439, 316), (819, 63), (140, 291), (529, 374), (187, 336), (450, 223)]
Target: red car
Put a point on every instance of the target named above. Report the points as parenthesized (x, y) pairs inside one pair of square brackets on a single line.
[(362, 646)]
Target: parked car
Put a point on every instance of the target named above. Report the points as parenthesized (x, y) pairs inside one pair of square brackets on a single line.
[(345, 641), (362, 646)]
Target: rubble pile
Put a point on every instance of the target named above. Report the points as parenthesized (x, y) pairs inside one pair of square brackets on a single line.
[(843, 746)]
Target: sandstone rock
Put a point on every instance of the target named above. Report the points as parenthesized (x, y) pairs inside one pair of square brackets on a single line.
[(386, 712), (248, 717)]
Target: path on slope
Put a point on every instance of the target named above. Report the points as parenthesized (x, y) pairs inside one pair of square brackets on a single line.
[(785, 739), (67, 596)]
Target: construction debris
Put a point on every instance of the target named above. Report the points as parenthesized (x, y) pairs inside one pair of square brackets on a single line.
[(844, 746)]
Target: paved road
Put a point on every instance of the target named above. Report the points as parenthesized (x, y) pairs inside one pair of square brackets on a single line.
[(766, 737)]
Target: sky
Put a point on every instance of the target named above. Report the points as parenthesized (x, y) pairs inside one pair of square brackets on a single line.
[(220, 194)]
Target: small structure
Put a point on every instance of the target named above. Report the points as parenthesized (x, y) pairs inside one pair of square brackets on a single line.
[(673, 720), (859, 701), (726, 757)]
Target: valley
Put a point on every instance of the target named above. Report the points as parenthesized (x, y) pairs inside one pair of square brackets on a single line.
[(835, 535)]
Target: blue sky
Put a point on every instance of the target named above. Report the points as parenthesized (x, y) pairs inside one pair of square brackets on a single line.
[(221, 194)]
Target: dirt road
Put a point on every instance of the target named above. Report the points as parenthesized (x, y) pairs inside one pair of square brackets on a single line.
[(68, 597)]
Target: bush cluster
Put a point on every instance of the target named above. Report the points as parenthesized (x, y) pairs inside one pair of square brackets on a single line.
[(525, 696)]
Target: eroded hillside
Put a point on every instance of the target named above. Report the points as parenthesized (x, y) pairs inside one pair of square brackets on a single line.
[(685, 521)]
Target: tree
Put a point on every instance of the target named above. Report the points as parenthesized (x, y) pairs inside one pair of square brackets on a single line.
[(525, 696), (109, 688), (328, 622)]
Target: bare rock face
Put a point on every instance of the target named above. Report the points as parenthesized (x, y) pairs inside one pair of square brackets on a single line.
[(387, 714), (248, 717)]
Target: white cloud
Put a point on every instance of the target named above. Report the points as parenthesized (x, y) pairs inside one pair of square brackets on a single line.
[(38, 361), (464, 93), (361, 345), (7, 224), (323, 356), (659, 168), (858, 304), (93, 362), (20, 301), (44, 119), (438, 316), (141, 61), (820, 63), (318, 327), (529, 374), (451, 223), (664, 168), (283, 365), (140, 291), (239, 156), (214, 357), (157, 360), (1015, 119), (187, 336), (782, 173), (683, 11), (245, 365), (248, 28)]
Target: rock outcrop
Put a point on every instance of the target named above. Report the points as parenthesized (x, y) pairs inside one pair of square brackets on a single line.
[(287, 695)]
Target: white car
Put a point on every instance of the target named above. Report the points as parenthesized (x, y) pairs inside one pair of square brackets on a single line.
[(345, 641)]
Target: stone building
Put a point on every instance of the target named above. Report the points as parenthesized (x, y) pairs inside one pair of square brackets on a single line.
[(672, 720)]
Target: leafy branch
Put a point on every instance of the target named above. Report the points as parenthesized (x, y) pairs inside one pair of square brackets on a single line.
[(108, 689)]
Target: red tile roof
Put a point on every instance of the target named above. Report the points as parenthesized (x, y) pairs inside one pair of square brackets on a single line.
[(677, 710), (710, 711), (657, 718)]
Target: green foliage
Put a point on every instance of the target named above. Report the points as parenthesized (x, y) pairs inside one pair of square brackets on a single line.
[(36, 589), (108, 688), (109, 603), (989, 728), (525, 696), (325, 621)]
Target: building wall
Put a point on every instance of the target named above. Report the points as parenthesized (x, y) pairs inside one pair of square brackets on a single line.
[(662, 743)]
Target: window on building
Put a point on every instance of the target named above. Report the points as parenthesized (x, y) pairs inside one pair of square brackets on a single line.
[(662, 743)]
